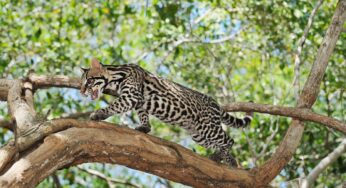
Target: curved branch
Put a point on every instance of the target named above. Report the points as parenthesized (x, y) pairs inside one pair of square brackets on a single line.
[(269, 170), (106, 143), (303, 114)]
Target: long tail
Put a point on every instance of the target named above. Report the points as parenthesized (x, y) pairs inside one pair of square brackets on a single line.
[(232, 121)]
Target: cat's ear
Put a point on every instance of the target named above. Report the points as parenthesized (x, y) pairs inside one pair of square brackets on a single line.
[(84, 70), (95, 64)]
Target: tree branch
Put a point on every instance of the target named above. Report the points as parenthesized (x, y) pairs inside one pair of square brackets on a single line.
[(301, 42), (41, 81), (188, 39), (268, 141), (7, 154), (20, 110), (95, 142), (325, 162), (215, 41), (303, 114), (289, 144), (9, 125), (201, 17), (312, 85), (109, 180)]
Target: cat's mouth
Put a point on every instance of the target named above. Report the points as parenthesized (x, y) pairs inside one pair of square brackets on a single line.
[(94, 94)]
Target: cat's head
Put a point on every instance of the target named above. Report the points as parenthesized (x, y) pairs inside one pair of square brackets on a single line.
[(94, 80)]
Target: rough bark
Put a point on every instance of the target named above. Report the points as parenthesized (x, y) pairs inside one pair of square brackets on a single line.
[(21, 110), (7, 154), (106, 143), (271, 168), (41, 81)]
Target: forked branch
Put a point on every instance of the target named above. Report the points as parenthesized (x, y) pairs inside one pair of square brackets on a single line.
[(267, 172)]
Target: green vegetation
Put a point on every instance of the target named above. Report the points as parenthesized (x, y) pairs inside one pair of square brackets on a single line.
[(232, 50)]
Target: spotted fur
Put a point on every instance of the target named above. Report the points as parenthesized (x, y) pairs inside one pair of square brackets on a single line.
[(147, 94)]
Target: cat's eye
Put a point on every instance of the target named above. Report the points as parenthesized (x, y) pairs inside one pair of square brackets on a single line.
[(90, 81)]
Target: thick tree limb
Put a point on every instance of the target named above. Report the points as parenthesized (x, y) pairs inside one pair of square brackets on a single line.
[(46, 128), (106, 143), (7, 154), (40, 81), (289, 144), (20, 109), (325, 162), (303, 114)]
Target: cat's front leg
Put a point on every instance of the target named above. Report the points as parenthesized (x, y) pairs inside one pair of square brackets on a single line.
[(99, 115), (123, 104)]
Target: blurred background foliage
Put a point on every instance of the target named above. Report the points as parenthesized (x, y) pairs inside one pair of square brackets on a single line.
[(232, 50)]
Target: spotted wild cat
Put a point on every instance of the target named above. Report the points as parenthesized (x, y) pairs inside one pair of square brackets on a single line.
[(147, 94)]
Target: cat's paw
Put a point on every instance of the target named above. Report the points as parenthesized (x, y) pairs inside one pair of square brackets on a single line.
[(97, 116), (232, 163), (216, 157), (229, 160), (143, 129)]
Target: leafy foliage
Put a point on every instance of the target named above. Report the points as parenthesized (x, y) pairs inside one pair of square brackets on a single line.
[(189, 42)]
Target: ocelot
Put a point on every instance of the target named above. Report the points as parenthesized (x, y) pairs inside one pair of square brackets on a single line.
[(147, 94)]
